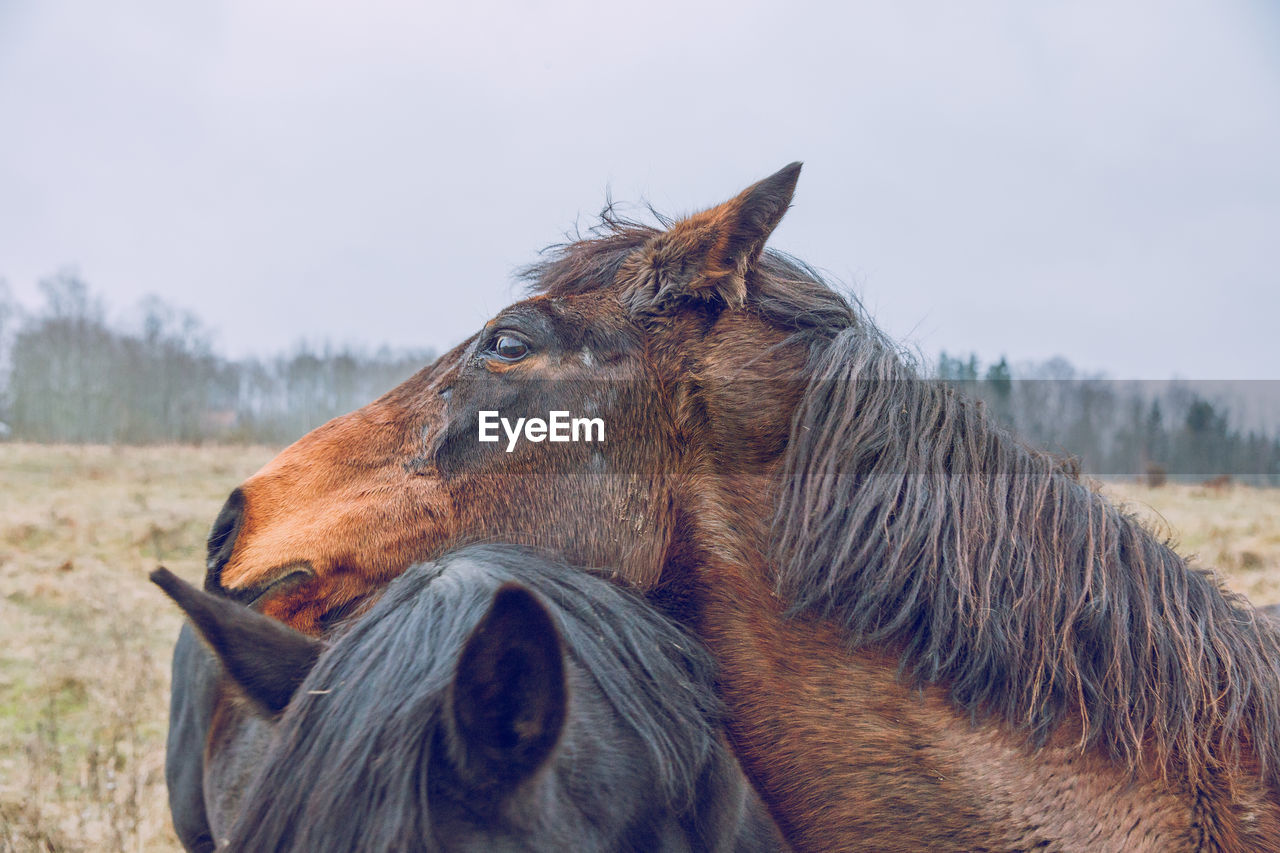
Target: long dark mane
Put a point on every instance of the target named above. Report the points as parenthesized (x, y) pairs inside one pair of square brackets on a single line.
[(913, 520), (338, 736), (910, 518)]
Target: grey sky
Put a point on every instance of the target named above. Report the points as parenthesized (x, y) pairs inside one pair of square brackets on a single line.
[(1098, 180)]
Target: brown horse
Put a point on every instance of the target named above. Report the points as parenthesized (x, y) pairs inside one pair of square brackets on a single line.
[(929, 635)]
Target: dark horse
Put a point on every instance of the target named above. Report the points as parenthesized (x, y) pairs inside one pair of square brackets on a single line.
[(494, 700), (929, 635)]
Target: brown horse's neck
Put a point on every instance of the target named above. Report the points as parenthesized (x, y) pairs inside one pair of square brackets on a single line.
[(850, 757)]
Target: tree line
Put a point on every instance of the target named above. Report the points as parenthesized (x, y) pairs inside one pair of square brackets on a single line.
[(69, 375), (1181, 430)]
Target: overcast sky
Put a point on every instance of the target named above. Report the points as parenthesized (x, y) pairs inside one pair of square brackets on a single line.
[(1098, 180)]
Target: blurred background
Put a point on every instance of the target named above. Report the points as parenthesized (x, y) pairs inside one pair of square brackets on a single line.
[(222, 224), (232, 221)]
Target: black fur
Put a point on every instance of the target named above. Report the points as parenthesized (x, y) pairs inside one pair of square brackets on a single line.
[(501, 700)]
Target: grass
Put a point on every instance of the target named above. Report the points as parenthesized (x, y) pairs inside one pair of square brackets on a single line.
[(85, 639), (1234, 530)]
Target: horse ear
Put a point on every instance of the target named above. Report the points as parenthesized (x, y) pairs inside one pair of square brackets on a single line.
[(508, 696), (707, 256), (265, 658)]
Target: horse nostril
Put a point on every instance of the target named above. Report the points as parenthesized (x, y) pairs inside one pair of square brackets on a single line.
[(222, 539)]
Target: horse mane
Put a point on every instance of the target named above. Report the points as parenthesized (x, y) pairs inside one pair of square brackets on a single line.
[(915, 522), (910, 518), (403, 653)]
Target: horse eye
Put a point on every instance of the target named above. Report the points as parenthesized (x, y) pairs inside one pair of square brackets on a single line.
[(509, 348)]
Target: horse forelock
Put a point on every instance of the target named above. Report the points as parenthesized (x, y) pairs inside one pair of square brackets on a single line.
[(913, 521), (784, 290)]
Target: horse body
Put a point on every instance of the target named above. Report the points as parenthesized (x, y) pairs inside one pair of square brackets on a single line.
[(929, 635), (492, 701)]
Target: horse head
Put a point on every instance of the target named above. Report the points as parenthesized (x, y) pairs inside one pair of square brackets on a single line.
[(684, 344), (494, 698)]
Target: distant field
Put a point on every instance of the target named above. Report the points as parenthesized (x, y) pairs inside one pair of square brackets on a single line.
[(85, 639)]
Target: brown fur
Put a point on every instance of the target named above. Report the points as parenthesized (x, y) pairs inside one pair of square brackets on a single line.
[(930, 636)]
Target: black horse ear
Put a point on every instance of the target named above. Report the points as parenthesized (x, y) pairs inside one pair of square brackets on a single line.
[(266, 659), (508, 696), (708, 255)]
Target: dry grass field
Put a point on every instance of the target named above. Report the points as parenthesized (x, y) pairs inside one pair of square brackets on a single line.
[(1233, 530), (85, 639)]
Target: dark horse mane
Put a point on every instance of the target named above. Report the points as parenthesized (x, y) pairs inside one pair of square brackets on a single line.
[(910, 518), (658, 680)]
